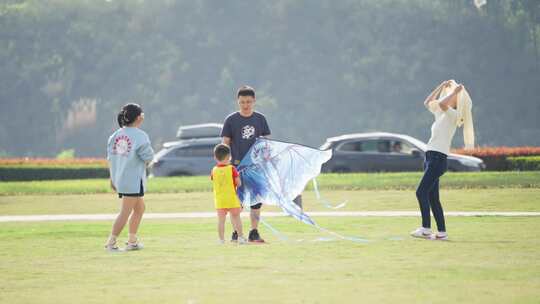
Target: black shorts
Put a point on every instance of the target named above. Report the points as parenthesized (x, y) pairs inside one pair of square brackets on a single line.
[(140, 194), (256, 206)]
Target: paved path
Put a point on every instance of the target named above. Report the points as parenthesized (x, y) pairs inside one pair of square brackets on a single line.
[(188, 215)]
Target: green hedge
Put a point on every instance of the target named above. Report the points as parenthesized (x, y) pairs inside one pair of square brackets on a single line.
[(524, 163), (28, 173)]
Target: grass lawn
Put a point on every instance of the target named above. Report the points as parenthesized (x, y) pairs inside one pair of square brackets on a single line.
[(352, 181), (495, 199), (489, 260)]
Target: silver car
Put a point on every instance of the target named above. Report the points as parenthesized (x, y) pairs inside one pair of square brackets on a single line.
[(386, 152), (185, 157), (192, 154)]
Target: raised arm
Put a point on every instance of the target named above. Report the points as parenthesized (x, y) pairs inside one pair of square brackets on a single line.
[(451, 99), (435, 93)]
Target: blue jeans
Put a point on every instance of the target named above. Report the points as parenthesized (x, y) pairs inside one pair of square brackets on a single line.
[(435, 165)]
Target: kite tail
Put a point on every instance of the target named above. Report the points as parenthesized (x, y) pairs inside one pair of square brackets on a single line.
[(322, 200), (343, 237), (295, 211), (276, 232)]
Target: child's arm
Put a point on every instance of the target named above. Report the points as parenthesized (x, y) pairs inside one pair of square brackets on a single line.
[(236, 177), (237, 181)]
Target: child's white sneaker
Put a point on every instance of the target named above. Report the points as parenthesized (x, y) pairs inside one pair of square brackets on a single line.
[(439, 236), (422, 233), (242, 240), (221, 242), (133, 246)]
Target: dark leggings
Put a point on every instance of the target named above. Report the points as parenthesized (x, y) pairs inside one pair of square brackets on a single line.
[(435, 165)]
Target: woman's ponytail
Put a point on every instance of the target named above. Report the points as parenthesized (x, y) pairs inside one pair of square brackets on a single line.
[(128, 114)]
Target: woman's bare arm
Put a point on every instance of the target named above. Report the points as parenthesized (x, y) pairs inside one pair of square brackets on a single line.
[(435, 93), (451, 99)]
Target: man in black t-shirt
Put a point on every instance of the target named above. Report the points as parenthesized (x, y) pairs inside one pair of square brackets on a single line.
[(240, 130)]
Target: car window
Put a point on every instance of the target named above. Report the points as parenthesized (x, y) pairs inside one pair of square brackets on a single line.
[(370, 145), (401, 147), (383, 146), (353, 146), (194, 151)]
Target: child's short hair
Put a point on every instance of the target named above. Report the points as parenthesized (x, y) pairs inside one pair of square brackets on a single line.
[(221, 151), (245, 90)]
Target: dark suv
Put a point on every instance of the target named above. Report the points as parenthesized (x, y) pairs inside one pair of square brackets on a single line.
[(376, 152)]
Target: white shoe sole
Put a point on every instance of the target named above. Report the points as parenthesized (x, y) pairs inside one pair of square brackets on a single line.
[(113, 250), (134, 248), (434, 238), (422, 236)]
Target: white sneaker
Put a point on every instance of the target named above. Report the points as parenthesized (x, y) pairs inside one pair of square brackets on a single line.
[(439, 236), (112, 248), (221, 242), (423, 233), (133, 246), (242, 241)]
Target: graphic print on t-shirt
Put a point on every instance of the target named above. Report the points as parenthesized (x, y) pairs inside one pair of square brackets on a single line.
[(122, 145), (248, 132)]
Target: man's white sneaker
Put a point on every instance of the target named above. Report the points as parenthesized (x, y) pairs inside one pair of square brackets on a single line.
[(242, 241), (422, 233), (133, 246), (439, 236)]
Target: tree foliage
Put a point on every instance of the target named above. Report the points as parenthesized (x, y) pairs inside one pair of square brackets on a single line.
[(321, 68)]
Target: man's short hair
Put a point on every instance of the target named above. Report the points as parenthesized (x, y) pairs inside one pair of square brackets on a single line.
[(221, 151), (245, 90)]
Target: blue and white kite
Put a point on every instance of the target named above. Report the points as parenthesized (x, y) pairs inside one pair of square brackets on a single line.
[(275, 173)]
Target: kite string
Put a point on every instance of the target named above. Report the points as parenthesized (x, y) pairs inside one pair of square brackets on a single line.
[(323, 201)]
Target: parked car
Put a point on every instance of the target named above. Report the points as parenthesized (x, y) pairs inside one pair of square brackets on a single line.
[(192, 154), (373, 152)]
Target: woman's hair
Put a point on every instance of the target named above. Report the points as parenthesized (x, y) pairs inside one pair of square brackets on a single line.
[(129, 114)]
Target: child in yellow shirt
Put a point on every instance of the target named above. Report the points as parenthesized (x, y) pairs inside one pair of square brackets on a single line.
[(225, 179)]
